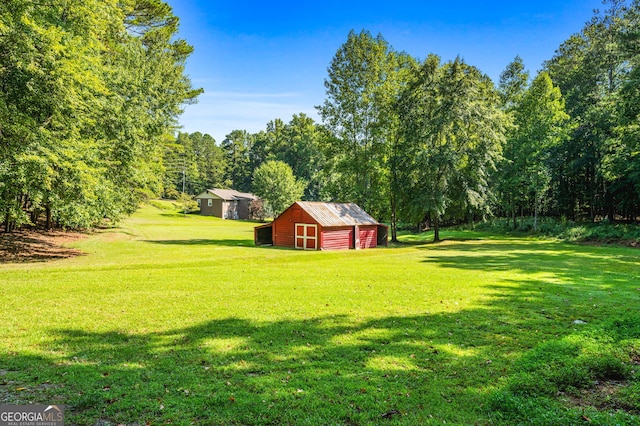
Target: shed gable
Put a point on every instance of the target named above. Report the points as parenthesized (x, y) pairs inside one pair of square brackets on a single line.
[(284, 232)]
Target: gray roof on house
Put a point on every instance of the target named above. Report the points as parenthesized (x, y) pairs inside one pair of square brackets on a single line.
[(337, 214), (231, 194)]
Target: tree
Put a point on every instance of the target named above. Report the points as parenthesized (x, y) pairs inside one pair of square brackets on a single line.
[(452, 132), (210, 162), (513, 84), (275, 183), (514, 81), (237, 148), (589, 69), (541, 125), (298, 143), (623, 161), (404, 67), (50, 73), (353, 112), (365, 80), (185, 168), (192, 163), (89, 91), (186, 203)]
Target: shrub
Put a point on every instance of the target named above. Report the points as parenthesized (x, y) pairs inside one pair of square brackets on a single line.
[(602, 232), (570, 365), (607, 367)]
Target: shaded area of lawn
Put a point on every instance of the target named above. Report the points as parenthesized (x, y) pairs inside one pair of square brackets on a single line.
[(236, 371), (206, 242), (417, 369)]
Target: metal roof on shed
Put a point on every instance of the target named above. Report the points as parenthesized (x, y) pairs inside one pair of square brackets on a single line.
[(337, 214), (230, 194)]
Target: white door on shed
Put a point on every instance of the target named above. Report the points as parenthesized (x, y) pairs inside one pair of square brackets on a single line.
[(306, 236)]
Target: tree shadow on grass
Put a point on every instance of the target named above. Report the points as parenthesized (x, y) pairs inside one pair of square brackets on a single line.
[(234, 371), (206, 242), (592, 283), (417, 369), (594, 264)]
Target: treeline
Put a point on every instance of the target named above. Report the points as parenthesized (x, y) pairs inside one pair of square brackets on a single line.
[(594, 168), (90, 91), (195, 162), (426, 142), (86, 123)]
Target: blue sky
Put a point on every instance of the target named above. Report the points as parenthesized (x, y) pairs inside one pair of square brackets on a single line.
[(258, 61)]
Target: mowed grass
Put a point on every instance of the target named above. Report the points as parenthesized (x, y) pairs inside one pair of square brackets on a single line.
[(173, 319)]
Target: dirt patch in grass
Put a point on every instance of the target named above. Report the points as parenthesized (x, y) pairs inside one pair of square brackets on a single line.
[(604, 395), (37, 246)]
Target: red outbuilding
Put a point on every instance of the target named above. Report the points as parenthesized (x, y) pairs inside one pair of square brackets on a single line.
[(310, 225)]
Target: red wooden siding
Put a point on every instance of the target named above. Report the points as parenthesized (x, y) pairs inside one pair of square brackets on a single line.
[(283, 235), (337, 238), (368, 236), (284, 227)]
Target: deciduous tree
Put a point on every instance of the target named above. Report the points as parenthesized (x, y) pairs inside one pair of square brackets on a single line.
[(275, 183), (541, 124), (89, 89), (452, 132), (353, 112), (590, 70), (513, 84)]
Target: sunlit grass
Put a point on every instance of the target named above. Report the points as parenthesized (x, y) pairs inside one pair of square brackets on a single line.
[(180, 319)]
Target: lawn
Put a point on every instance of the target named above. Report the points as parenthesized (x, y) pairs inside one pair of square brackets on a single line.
[(173, 319)]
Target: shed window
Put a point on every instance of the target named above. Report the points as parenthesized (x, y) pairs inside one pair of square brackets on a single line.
[(199, 202), (209, 202)]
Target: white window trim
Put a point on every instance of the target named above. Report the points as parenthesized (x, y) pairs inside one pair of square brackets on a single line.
[(209, 202), (306, 236)]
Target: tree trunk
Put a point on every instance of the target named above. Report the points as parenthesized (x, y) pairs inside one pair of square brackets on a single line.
[(34, 216), (611, 211), (535, 214), (394, 220), (436, 229), (48, 212)]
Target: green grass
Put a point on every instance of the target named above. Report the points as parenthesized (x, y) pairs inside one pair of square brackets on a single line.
[(173, 319)]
